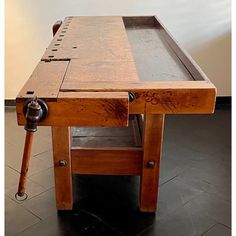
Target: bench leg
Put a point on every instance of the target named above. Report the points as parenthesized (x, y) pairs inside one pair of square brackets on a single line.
[(61, 141), (152, 143)]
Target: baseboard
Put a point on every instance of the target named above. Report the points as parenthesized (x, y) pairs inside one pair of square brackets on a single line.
[(221, 102), (10, 102)]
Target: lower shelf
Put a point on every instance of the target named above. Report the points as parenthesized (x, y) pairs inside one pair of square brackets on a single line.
[(130, 136), (107, 151)]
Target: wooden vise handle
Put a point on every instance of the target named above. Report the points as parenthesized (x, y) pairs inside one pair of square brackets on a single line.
[(25, 165), (35, 111)]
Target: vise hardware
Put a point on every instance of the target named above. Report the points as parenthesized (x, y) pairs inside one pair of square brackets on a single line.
[(35, 110)]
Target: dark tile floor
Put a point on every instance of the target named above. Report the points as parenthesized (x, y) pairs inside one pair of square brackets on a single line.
[(194, 192)]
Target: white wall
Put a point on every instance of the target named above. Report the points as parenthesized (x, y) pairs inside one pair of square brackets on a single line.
[(202, 27)]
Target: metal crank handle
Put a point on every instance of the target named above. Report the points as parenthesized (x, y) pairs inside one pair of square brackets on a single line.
[(35, 110)]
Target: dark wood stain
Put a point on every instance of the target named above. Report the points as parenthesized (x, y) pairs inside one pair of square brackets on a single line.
[(117, 108)]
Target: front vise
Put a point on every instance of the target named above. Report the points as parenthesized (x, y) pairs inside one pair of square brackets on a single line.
[(35, 111)]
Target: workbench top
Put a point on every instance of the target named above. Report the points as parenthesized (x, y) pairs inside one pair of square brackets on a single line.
[(103, 58)]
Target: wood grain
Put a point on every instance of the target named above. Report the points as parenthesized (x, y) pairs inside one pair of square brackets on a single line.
[(25, 163), (61, 142), (85, 76), (97, 74), (85, 71), (107, 161), (90, 38), (85, 109), (173, 100), (98, 50), (164, 97), (45, 81), (152, 145)]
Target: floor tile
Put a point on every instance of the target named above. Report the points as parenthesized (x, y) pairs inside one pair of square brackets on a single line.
[(46, 158), (50, 195), (13, 159), (13, 156), (213, 207), (45, 178), (70, 224), (11, 178), (199, 179), (16, 137), (18, 219), (116, 213), (172, 195), (32, 189), (218, 230), (38, 165), (41, 205), (182, 222), (170, 168), (194, 192)]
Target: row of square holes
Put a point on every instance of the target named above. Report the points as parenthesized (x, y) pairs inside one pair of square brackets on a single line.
[(61, 35), (56, 44)]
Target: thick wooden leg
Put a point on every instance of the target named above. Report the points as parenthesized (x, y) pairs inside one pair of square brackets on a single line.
[(62, 167), (152, 143)]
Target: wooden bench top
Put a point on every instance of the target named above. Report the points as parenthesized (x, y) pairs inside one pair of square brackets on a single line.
[(98, 57)]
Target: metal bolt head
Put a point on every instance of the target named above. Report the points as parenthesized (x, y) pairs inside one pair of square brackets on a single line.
[(62, 163), (151, 164), (131, 96)]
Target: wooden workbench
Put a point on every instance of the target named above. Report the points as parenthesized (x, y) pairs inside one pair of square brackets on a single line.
[(86, 75)]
